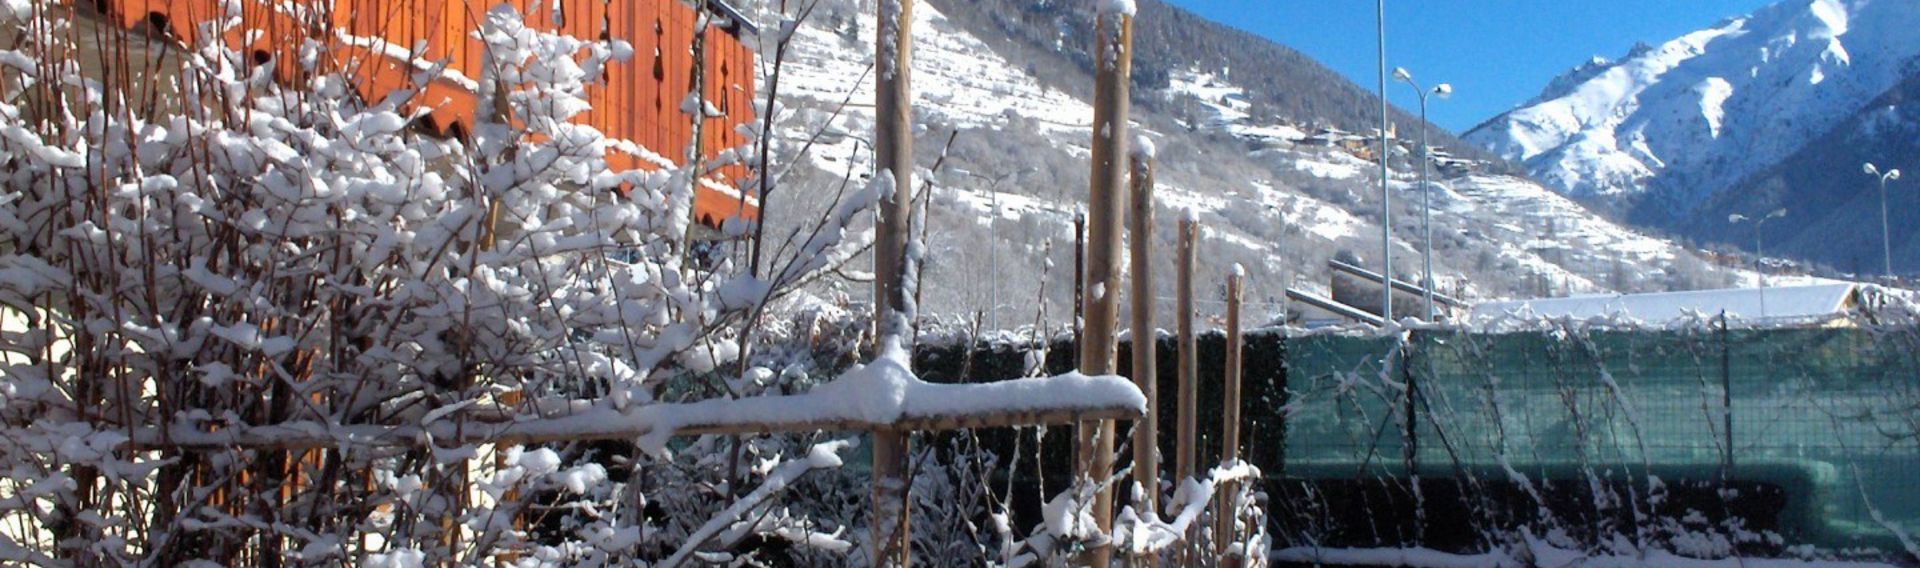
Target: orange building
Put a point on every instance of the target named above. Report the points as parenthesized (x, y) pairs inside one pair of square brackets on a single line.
[(640, 101)]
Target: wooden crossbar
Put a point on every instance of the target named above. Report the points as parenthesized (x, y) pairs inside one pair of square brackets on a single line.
[(496, 427)]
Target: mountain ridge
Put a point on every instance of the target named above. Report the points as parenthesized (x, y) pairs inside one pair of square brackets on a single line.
[(1661, 132)]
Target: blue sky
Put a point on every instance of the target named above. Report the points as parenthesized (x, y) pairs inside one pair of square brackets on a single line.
[(1496, 53)]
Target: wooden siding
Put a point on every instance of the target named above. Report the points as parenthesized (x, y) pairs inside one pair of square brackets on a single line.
[(640, 100)]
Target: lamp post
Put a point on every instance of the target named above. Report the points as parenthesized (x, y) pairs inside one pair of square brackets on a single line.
[(1386, 199), (1759, 258), (993, 246), (1442, 90), (1886, 242)]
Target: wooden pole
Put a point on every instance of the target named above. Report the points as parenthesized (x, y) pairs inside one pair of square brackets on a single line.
[(1113, 69), (1189, 364), (1185, 442), (1223, 532), (1079, 284), (1146, 432), (893, 156)]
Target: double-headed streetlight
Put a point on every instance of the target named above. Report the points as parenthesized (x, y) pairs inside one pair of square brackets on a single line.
[(993, 245), (1442, 90), (1886, 242), (1759, 257)]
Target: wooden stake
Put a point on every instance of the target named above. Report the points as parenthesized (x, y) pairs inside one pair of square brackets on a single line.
[(1223, 531), (1146, 432), (1230, 437), (1189, 363), (1079, 284), (1185, 446), (1101, 302), (893, 155)]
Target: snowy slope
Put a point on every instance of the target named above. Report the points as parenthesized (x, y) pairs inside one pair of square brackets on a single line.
[(1001, 209), (1686, 119)]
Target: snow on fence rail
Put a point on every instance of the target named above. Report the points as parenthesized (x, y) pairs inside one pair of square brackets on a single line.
[(878, 396)]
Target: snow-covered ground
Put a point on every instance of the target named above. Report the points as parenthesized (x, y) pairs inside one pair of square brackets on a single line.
[(1224, 108), (957, 80)]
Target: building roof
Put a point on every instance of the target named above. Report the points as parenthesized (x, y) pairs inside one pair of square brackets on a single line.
[(1789, 304), (1398, 284)]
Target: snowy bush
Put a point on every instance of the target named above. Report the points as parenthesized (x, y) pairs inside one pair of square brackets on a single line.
[(276, 325)]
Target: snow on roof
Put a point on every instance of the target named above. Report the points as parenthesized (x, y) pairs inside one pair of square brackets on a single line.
[(1782, 304)]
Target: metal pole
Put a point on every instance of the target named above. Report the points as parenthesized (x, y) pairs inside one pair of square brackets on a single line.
[(1886, 241), (1760, 266), (1386, 199), (1726, 398), (1426, 204)]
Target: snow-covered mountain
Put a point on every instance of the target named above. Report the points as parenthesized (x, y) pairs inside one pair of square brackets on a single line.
[(1272, 196), (1833, 207), (1668, 127)]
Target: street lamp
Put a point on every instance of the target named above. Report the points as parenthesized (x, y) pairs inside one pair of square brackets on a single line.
[(1737, 218), (993, 228), (1886, 242), (1759, 257), (1442, 90)]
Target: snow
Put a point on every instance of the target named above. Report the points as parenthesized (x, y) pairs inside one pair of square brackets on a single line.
[(1717, 104), (1796, 304), (1550, 234), (1338, 169), (1121, 7), (820, 456), (957, 80), (886, 391), (403, 558), (1190, 499), (1013, 206), (540, 461), (1225, 107), (1143, 146), (1316, 217), (1066, 517)]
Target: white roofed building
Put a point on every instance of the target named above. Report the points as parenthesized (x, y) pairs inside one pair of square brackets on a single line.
[(1817, 304)]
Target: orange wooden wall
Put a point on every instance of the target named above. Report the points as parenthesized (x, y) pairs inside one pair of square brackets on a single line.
[(640, 100)]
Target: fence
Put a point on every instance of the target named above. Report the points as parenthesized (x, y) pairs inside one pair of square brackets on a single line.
[(1809, 434), (1757, 440)]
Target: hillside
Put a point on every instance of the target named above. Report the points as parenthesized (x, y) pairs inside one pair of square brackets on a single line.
[(1280, 84), (1014, 102), (1833, 207)]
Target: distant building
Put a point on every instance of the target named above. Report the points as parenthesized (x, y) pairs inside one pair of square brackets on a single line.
[(1359, 288), (1820, 304), (1448, 165)]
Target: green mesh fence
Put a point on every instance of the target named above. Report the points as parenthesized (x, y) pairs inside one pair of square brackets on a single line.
[(1831, 417)]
